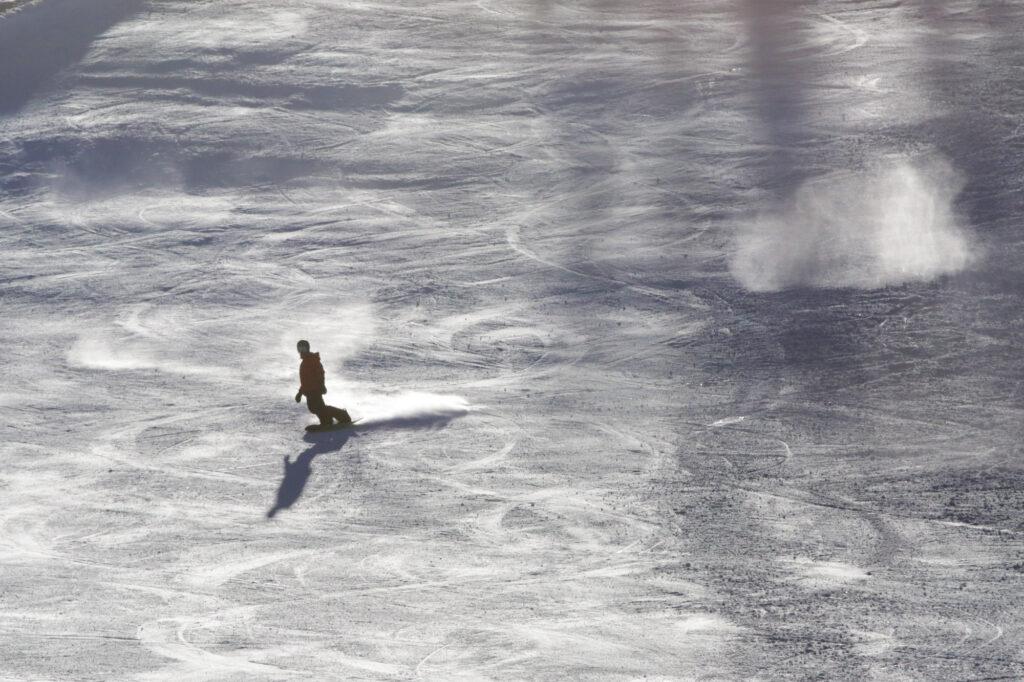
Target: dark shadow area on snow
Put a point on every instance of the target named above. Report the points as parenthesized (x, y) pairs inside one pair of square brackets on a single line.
[(975, 124), (61, 32), (297, 473), (779, 75)]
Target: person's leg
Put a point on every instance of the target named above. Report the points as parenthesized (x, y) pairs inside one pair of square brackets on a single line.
[(340, 415), (315, 403)]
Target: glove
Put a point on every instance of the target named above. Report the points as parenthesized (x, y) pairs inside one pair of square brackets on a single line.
[(298, 397)]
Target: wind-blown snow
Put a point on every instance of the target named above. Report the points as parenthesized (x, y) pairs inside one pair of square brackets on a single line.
[(411, 408), (891, 224)]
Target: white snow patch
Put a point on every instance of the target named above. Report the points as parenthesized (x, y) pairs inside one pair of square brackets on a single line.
[(727, 421), (974, 526), (10, 399), (95, 352), (706, 624), (128, 213), (873, 643), (827, 573), (260, 27)]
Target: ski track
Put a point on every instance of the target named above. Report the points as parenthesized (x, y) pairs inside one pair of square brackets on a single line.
[(585, 450)]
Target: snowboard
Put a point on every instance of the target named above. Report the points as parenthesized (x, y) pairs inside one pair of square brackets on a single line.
[(315, 428)]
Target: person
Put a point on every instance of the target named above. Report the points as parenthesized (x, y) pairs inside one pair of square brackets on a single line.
[(312, 385)]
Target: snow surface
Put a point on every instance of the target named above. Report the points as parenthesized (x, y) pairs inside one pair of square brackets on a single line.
[(686, 338)]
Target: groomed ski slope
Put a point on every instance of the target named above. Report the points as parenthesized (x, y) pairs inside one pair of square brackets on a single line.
[(686, 339)]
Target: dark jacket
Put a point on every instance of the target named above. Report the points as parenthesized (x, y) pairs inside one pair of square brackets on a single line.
[(311, 375)]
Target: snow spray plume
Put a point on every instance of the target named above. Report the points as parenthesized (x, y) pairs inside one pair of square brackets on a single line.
[(414, 410), (891, 224)]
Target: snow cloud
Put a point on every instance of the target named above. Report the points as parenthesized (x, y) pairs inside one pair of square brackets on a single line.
[(891, 224), (412, 409)]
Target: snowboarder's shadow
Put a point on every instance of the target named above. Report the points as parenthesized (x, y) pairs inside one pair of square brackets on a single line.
[(296, 473)]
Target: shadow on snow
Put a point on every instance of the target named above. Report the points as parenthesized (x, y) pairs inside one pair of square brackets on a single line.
[(62, 32), (296, 474)]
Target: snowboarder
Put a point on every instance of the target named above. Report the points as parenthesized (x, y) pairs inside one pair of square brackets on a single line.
[(311, 385)]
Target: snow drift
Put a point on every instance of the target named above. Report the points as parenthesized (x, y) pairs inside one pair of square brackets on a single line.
[(891, 224)]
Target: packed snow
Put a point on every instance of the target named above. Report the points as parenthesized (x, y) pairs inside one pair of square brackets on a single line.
[(685, 339)]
